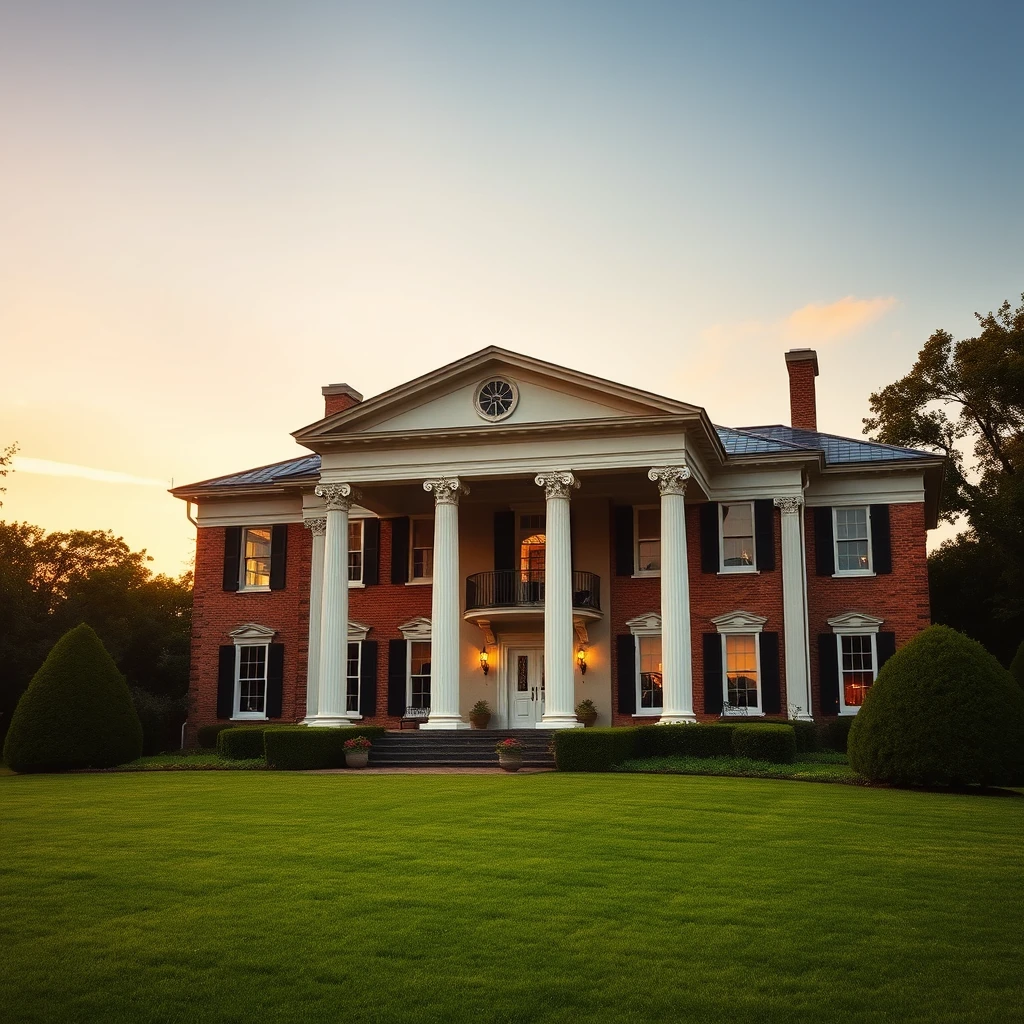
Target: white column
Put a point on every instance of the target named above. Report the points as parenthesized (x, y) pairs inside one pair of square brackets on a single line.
[(317, 527), (445, 662), (558, 631), (676, 657), (794, 610), (330, 710)]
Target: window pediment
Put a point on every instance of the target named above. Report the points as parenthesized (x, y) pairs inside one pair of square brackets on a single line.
[(740, 622), (416, 629), (252, 633), (855, 622), (648, 624)]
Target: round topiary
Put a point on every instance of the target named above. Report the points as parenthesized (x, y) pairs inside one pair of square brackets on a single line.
[(1017, 666), (942, 712), (76, 713)]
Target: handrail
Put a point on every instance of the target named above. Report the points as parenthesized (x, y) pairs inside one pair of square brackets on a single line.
[(524, 588)]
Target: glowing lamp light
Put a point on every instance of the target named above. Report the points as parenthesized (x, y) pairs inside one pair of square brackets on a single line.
[(581, 660), (483, 662)]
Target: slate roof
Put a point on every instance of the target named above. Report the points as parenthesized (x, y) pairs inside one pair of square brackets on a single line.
[(277, 472), (838, 451)]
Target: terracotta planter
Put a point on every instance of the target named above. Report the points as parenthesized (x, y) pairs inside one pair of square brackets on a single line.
[(479, 721), (356, 758), (510, 762), (587, 720)]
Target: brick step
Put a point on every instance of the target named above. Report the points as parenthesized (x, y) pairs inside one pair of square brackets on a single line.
[(452, 763)]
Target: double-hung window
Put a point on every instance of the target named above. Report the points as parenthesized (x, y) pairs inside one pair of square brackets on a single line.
[(355, 551), (255, 569), (650, 696), (251, 681), (741, 672), (352, 666), (852, 531), (737, 535), (419, 674), (858, 667), (422, 540), (647, 531)]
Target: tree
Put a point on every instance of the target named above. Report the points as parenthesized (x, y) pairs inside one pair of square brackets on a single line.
[(6, 458)]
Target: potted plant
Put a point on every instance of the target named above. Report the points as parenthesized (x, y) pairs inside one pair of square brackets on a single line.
[(480, 714), (510, 754), (586, 712), (357, 752)]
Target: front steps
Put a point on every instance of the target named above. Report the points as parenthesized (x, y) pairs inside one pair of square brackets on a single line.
[(457, 749)]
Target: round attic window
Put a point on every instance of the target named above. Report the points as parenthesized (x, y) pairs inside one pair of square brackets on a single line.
[(495, 399)]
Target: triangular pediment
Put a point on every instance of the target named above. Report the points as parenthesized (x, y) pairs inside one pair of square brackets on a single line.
[(531, 392), (853, 622)]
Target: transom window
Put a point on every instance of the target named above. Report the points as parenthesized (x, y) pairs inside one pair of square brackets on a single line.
[(419, 674), (650, 677), (648, 539), (857, 669), (422, 541), (256, 558), (737, 536), (496, 398), (252, 680), (352, 665), (741, 690), (853, 539), (355, 551)]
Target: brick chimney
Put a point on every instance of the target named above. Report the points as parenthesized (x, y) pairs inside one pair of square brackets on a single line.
[(802, 364), (339, 397)]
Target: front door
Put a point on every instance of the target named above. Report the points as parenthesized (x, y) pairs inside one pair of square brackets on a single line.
[(525, 687)]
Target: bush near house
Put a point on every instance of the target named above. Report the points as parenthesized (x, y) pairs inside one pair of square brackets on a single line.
[(773, 743), (1017, 666), (300, 748), (206, 735), (834, 734), (700, 740), (76, 713), (943, 711), (241, 742), (594, 750)]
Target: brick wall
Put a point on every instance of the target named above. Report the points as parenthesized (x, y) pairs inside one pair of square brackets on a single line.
[(803, 411)]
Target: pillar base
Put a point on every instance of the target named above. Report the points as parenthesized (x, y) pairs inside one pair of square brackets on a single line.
[(678, 720), (329, 722), (559, 722), (444, 722)]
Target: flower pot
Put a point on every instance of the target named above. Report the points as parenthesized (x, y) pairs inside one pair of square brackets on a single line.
[(479, 721), (510, 762), (356, 758), (587, 720)]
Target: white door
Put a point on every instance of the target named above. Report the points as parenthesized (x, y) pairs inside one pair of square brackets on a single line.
[(525, 687)]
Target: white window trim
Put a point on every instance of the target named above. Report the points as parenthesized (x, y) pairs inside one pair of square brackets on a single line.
[(357, 584), (648, 624), (854, 624), (843, 573), (417, 581), (732, 570), (741, 623), (639, 573), (250, 635), (358, 712), (408, 667), (242, 587)]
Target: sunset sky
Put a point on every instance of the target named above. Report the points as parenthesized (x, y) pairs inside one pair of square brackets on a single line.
[(210, 209)]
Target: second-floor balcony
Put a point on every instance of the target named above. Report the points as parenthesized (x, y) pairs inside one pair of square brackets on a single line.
[(524, 588)]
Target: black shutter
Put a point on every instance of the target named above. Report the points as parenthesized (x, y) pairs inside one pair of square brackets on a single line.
[(278, 555), (824, 549), (712, 673), (828, 673), (764, 533), (710, 559), (371, 552), (881, 540), (504, 540), (625, 645), (226, 681), (400, 550), (232, 557), (885, 646), (275, 680), (368, 679), (771, 685), (396, 678), (622, 517)]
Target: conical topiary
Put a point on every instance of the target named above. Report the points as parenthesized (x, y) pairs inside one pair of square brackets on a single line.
[(76, 713), (943, 711), (1017, 666)]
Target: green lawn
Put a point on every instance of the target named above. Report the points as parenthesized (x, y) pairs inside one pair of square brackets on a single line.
[(823, 766), (263, 896)]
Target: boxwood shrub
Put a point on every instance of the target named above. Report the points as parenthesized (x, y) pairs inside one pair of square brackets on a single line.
[(774, 742), (299, 748), (1017, 666), (206, 735), (698, 740), (806, 732), (594, 750), (241, 743), (834, 734)]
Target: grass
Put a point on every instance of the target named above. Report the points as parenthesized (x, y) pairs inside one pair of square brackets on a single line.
[(191, 759), (241, 896), (825, 766)]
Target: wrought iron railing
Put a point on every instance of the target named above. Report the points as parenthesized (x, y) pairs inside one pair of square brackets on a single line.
[(524, 588)]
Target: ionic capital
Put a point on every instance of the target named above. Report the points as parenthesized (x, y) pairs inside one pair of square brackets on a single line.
[(317, 527), (559, 484), (789, 506), (670, 479), (446, 489), (337, 497)]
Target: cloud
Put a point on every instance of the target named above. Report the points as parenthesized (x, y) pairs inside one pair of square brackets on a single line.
[(44, 467), (815, 322)]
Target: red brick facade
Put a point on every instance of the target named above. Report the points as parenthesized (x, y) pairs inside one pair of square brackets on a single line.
[(802, 365)]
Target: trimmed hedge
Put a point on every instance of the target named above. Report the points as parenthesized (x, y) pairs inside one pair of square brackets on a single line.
[(594, 750), (76, 713), (299, 748), (1017, 666), (206, 735), (942, 711), (703, 739), (834, 734), (806, 732), (774, 742), (241, 743)]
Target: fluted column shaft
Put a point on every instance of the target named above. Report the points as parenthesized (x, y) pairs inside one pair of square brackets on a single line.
[(318, 528), (676, 657), (558, 631), (444, 606), (794, 609), (334, 608)]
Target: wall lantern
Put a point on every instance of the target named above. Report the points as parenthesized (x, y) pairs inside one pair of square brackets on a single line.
[(581, 660), (483, 662)]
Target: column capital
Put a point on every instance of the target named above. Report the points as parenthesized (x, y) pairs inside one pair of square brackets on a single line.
[(317, 527), (789, 506), (446, 489), (559, 484), (670, 479), (337, 497)]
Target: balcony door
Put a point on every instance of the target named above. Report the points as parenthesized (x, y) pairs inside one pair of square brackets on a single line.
[(531, 558), (525, 686)]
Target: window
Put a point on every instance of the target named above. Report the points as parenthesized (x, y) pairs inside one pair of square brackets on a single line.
[(737, 526), (352, 664), (649, 678), (741, 675), (355, 551), (853, 540), (255, 558), (419, 674), (422, 540), (496, 399), (857, 668), (648, 540), (251, 681)]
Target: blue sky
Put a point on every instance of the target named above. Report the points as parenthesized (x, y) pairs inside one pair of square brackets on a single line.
[(212, 209)]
